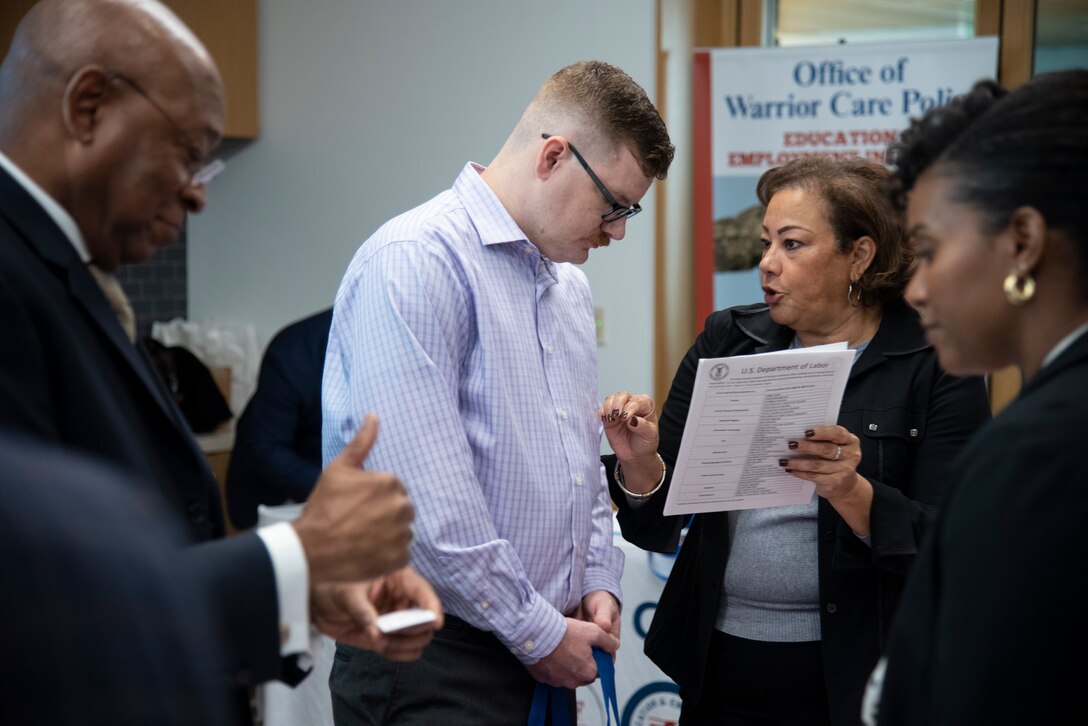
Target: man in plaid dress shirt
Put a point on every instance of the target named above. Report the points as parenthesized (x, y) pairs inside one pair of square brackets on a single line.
[(465, 327)]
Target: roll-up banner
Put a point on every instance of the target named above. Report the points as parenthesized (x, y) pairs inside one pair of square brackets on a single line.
[(757, 108)]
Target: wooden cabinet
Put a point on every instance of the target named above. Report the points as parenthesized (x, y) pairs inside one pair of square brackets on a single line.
[(229, 30), (11, 12)]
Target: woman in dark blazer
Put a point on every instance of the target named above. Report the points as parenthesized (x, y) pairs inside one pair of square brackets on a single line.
[(991, 628), (777, 616)]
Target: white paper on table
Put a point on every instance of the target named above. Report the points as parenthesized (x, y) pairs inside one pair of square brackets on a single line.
[(744, 410)]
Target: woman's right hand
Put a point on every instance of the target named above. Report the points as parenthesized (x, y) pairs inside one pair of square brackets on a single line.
[(630, 423)]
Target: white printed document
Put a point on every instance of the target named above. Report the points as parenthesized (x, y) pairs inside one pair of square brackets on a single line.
[(744, 410)]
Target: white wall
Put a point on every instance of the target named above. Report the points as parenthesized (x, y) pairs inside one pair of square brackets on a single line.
[(677, 32), (370, 107)]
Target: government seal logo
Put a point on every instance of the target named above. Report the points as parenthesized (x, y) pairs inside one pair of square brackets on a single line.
[(719, 372), (655, 704)]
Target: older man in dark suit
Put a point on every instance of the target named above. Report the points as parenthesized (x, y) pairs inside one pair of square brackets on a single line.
[(108, 110)]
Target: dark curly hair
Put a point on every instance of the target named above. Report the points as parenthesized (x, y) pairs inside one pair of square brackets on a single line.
[(856, 206), (1004, 150)]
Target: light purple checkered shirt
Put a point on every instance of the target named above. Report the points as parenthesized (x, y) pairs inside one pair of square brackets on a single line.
[(479, 357)]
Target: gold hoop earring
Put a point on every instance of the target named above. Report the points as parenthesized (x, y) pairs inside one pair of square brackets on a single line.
[(1019, 290)]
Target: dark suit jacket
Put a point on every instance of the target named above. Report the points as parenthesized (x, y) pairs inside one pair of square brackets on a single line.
[(277, 440), (69, 375), (100, 622), (992, 624), (911, 418)]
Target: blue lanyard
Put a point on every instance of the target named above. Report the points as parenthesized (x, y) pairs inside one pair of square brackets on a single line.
[(556, 697)]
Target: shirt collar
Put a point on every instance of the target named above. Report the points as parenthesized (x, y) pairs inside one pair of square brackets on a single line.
[(57, 213), (1064, 344), (493, 223)]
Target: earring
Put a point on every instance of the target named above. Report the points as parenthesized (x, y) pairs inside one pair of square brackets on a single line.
[(1019, 289), (850, 293)]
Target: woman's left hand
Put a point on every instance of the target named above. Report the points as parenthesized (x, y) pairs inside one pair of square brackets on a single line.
[(828, 456)]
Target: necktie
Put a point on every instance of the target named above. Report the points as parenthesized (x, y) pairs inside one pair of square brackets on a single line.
[(114, 293)]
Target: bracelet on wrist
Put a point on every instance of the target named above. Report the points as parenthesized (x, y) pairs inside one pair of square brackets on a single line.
[(617, 473)]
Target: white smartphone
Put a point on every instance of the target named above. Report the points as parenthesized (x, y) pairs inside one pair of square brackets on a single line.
[(402, 619)]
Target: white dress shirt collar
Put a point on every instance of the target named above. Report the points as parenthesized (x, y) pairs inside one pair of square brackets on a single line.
[(56, 212), (1063, 344)]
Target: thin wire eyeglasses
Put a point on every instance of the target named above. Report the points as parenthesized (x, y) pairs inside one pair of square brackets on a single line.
[(618, 211), (200, 176)]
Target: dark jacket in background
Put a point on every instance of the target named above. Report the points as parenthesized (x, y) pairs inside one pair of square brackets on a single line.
[(912, 420), (100, 621), (277, 441)]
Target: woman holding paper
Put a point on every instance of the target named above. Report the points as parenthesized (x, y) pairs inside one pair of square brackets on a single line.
[(994, 190), (778, 615)]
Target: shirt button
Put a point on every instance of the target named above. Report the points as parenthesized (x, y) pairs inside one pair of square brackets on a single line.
[(914, 432), (563, 414), (578, 480), (548, 349), (832, 608), (514, 651), (872, 427), (529, 645), (484, 605)]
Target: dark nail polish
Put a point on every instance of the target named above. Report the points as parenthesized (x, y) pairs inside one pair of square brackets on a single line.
[(809, 434), (783, 462), (788, 470), (615, 412), (792, 444), (634, 422)]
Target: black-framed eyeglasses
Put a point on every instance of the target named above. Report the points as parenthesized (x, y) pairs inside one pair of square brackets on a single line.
[(202, 173), (618, 211)]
